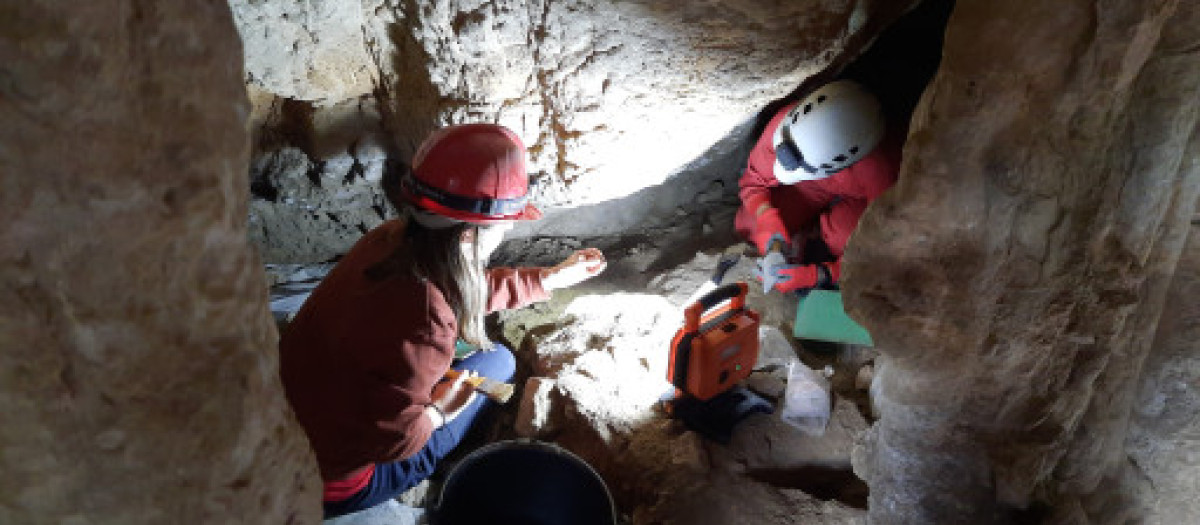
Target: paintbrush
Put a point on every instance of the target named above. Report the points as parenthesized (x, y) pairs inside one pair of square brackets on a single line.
[(499, 392)]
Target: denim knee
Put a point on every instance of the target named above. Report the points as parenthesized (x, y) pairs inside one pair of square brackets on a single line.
[(503, 363)]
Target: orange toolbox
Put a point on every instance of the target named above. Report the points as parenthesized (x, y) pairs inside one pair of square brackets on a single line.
[(715, 349)]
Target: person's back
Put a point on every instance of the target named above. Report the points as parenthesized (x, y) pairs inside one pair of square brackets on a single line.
[(365, 360), (351, 331)]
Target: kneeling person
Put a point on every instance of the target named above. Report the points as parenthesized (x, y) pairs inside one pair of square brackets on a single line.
[(363, 361), (810, 177)]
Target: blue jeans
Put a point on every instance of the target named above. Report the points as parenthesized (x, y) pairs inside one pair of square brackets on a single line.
[(392, 479)]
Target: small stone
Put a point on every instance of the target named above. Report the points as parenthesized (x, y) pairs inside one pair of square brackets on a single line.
[(416, 496), (767, 384), (688, 451), (533, 414), (862, 381)]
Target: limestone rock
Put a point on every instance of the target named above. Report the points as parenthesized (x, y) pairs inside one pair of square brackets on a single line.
[(138, 369), (389, 512), (862, 380), (729, 499), (767, 443), (605, 354), (305, 211), (612, 98), (680, 283), (1163, 450), (1014, 278), (537, 405), (579, 80), (610, 362), (768, 384), (312, 50)]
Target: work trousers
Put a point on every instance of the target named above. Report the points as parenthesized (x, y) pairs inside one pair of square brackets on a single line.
[(391, 479)]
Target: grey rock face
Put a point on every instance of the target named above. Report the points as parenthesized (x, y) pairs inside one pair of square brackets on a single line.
[(303, 210), (1164, 454), (1015, 276), (138, 370)]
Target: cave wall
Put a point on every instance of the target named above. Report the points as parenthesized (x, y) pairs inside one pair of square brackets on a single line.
[(1163, 475), (1015, 277), (612, 99), (138, 367)]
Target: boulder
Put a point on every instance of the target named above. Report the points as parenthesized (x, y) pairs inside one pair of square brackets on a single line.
[(310, 51), (598, 359)]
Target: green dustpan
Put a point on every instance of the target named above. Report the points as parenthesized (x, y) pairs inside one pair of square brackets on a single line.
[(463, 349), (820, 316)]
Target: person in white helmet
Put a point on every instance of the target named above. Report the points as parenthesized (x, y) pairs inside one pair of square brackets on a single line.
[(810, 177)]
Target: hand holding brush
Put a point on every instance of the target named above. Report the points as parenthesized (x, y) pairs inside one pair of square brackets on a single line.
[(497, 391)]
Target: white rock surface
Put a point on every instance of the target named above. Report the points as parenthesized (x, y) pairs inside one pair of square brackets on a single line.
[(312, 50), (599, 360), (390, 512), (534, 414), (612, 98)]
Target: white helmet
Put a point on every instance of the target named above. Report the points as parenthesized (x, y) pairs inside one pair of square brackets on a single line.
[(829, 130)]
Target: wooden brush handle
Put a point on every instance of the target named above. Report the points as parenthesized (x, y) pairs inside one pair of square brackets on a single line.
[(500, 392), (474, 381)]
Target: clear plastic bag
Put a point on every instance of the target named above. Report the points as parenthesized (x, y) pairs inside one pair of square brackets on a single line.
[(774, 350), (806, 403)]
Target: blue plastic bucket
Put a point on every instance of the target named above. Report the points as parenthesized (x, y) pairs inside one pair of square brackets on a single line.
[(523, 483)]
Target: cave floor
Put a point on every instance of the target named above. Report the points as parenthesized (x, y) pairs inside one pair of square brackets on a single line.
[(591, 364)]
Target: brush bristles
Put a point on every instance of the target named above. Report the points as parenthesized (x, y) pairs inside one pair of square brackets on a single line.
[(500, 392)]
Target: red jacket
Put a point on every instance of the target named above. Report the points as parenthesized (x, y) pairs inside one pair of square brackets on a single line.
[(797, 205), (361, 357)]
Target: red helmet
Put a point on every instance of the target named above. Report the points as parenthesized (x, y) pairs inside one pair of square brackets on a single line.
[(473, 173)]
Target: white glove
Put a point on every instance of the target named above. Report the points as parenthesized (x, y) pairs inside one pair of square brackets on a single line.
[(580, 266), (770, 270)]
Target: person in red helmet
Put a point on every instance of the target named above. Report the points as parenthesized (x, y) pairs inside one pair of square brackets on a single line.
[(363, 361), (810, 177)]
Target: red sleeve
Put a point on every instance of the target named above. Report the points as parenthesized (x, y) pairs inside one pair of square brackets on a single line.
[(754, 188), (514, 287), (810, 275), (427, 354)]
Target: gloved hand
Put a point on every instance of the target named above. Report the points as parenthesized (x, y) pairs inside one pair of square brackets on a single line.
[(581, 265), (775, 272), (769, 229)]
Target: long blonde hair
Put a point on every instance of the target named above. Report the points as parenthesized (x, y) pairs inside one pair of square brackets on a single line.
[(435, 254)]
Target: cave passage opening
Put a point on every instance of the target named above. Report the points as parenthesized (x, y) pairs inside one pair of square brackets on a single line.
[(896, 67)]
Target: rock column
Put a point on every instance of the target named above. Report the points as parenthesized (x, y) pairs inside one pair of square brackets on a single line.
[(1015, 276), (138, 366)]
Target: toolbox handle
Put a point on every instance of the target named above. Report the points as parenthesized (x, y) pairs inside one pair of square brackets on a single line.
[(736, 291)]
